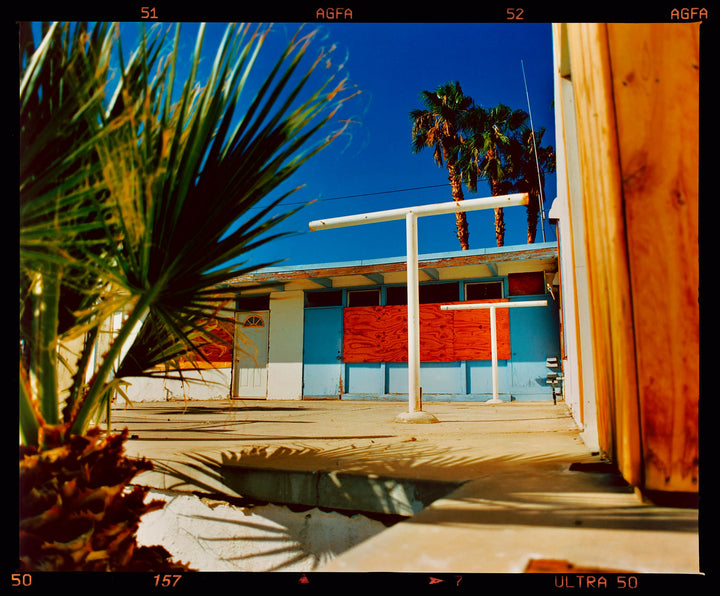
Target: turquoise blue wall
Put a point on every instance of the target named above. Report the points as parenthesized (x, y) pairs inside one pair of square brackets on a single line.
[(323, 369), (534, 336)]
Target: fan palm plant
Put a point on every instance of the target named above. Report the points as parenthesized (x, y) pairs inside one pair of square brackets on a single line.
[(135, 197), (438, 125), (485, 153), (529, 163)]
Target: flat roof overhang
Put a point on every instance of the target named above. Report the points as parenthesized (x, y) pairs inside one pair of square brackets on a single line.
[(379, 271)]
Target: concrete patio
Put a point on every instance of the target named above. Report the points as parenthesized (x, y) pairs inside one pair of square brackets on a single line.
[(515, 489)]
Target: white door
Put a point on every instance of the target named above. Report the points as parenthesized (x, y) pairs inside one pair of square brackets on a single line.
[(250, 355)]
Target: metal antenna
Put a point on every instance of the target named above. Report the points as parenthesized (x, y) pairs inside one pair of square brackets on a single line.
[(541, 199)]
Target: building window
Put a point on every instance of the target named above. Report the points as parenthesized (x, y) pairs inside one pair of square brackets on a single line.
[(436, 293), (253, 321), (324, 298), (395, 295), (429, 294), (526, 284), (484, 290), (256, 302), (364, 297)]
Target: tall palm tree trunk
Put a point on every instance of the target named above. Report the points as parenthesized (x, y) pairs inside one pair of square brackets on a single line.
[(496, 189), (533, 210), (460, 218), (499, 226)]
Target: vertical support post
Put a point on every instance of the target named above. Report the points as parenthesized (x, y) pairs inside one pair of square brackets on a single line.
[(492, 306), (494, 351), (413, 313), (415, 413)]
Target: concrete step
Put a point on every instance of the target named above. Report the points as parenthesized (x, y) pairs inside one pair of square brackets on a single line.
[(335, 490)]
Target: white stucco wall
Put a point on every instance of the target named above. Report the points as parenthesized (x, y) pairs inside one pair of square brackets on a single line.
[(203, 385), (284, 368), (212, 535), (285, 358), (567, 209)]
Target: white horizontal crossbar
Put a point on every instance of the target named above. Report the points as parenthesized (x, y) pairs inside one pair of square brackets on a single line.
[(420, 211), (493, 305), (410, 215)]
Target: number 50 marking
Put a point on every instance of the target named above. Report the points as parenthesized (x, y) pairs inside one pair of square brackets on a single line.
[(21, 579)]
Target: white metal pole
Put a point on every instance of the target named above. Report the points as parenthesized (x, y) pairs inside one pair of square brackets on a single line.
[(413, 312), (493, 342), (410, 214), (541, 201), (493, 331), (479, 305), (420, 211)]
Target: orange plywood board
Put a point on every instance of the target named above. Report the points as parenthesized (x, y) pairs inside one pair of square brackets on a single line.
[(379, 334), (375, 334), (216, 353), (436, 334), (472, 334)]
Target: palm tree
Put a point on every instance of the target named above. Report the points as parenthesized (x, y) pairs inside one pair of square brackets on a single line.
[(485, 153), (438, 126), (135, 197), (529, 162)]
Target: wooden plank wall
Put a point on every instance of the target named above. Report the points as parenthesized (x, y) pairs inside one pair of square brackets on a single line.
[(608, 278), (636, 105), (379, 334), (656, 90)]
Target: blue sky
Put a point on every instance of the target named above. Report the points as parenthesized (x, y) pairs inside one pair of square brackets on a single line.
[(373, 168)]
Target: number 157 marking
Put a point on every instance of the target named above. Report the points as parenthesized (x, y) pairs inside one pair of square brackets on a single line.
[(166, 580)]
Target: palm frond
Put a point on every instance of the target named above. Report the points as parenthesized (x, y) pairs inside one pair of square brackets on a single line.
[(138, 197)]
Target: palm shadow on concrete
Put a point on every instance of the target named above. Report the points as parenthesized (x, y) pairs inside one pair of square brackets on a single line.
[(509, 478), (281, 537), (284, 535), (532, 473), (532, 490)]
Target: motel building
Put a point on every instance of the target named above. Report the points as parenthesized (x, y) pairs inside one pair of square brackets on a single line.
[(339, 331)]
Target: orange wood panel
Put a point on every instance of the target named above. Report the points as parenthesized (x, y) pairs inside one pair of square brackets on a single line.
[(375, 334), (472, 334), (526, 284), (606, 249), (656, 87), (218, 352), (379, 334), (636, 91), (436, 334)]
